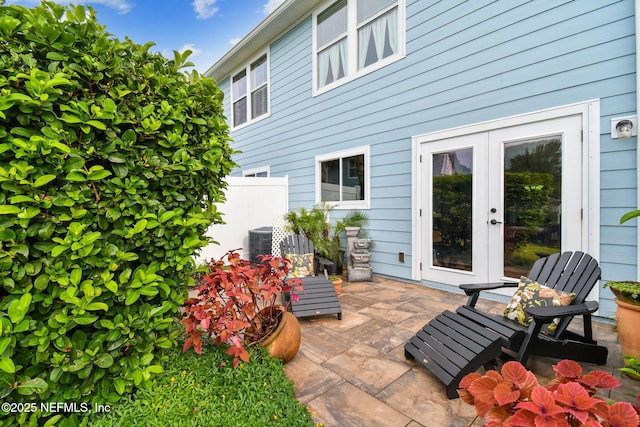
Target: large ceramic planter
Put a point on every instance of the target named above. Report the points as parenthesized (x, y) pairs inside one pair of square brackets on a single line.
[(628, 324), (284, 342)]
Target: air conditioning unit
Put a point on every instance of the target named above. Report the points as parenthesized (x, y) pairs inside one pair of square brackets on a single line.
[(259, 242)]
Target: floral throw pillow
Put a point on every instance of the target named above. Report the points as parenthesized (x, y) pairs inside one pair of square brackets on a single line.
[(533, 294), (301, 265)]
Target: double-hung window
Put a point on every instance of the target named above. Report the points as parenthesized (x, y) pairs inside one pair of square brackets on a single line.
[(353, 37), (250, 92), (342, 178)]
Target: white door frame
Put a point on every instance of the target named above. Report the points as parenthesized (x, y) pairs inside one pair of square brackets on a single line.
[(590, 113)]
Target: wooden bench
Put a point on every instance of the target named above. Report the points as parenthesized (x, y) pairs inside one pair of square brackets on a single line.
[(452, 346)]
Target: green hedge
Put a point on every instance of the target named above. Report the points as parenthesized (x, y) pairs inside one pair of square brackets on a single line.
[(111, 160)]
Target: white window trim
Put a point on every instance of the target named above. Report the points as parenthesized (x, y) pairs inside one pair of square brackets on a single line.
[(247, 69), (352, 71), (254, 171), (348, 204)]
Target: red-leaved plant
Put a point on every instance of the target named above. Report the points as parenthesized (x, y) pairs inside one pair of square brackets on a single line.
[(514, 398), (236, 303)]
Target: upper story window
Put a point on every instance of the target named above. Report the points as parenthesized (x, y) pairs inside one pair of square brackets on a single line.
[(353, 37), (250, 92), (342, 178)]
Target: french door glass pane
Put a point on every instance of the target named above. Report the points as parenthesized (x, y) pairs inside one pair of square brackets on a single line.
[(532, 202), (452, 209)]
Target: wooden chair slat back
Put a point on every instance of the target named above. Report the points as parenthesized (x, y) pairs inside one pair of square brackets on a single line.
[(296, 244), (571, 272)]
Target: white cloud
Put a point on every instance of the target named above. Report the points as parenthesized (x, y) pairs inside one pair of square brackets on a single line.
[(123, 6), (205, 8), (190, 46), (271, 5), (235, 41)]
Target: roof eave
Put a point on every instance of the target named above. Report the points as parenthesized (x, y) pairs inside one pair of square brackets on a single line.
[(278, 21)]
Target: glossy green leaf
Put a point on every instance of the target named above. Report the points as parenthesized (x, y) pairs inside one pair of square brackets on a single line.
[(43, 180), (105, 360), (19, 308), (32, 386), (9, 210), (6, 364)]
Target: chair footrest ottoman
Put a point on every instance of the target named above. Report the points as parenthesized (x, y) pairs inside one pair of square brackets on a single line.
[(451, 346), (318, 297)]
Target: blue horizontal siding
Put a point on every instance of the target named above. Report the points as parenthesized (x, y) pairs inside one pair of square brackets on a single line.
[(466, 62)]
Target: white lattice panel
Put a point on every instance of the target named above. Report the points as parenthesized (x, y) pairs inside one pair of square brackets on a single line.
[(278, 234)]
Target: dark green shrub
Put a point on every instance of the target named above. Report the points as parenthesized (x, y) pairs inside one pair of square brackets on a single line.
[(111, 160)]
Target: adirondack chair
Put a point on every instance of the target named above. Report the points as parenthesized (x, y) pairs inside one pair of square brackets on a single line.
[(452, 344), (300, 244), (318, 296)]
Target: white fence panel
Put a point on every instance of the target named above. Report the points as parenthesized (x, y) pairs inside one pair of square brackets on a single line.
[(251, 203)]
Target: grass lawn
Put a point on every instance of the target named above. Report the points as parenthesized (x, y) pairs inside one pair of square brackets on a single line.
[(205, 390)]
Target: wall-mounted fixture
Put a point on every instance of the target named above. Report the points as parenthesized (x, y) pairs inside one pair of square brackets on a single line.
[(624, 127)]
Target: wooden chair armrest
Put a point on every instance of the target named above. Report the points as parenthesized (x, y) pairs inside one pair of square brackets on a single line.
[(546, 314), (472, 290)]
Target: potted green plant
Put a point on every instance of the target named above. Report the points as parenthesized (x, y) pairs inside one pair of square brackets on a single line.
[(632, 367), (337, 284), (626, 291), (324, 233), (515, 398), (627, 299), (237, 303)]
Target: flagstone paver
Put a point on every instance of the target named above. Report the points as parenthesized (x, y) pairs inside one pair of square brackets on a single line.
[(352, 372), (349, 406)]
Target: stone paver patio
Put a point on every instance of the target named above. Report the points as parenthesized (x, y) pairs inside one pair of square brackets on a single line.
[(352, 372)]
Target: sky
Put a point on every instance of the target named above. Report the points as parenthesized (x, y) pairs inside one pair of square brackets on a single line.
[(209, 28)]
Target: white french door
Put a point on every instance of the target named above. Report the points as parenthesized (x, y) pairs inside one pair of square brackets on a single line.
[(495, 201)]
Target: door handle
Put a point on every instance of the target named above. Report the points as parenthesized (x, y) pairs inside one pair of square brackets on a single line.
[(494, 222)]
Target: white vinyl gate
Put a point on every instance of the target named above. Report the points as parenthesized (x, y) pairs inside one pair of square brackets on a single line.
[(251, 203)]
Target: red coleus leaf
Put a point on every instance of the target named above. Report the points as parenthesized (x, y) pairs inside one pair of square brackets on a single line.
[(523, 418), (482, 389), (505, 392), (468, 379), (187, 344), (542, 404), (498, 416), (621, 414), (204, 323), (568, 369), (576, 400), (600, 379), (514, 371), (466, 396)]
